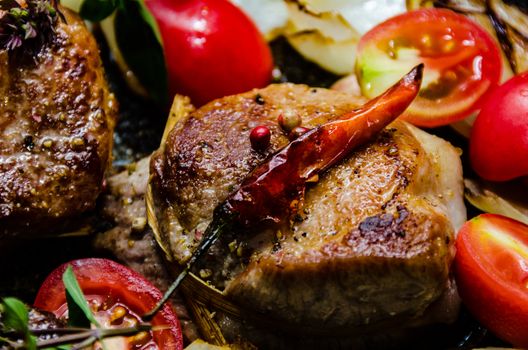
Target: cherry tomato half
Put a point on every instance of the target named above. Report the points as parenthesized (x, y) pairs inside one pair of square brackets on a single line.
[(118, 296), (491, 269), (462, 63), (212, 49), (498, 145)]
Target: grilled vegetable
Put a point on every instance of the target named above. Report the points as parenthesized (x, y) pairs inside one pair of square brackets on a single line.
[(327, 32), (498, 198)]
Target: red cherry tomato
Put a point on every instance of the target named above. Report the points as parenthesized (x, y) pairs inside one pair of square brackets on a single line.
[(212, 48), (498, 145), (462, 63), (491, 269), (109, 286)]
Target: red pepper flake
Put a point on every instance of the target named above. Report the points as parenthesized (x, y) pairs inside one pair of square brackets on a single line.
[(260, 137)]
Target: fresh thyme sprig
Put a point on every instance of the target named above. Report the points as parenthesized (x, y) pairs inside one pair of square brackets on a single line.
[(26, 26)]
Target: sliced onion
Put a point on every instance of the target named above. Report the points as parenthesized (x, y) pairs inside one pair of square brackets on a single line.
[(336, 57), (418, 4), (466, 6), (270, 16), (498, 198), (328, 24), (362, 15), (510, 15), (519, 54)]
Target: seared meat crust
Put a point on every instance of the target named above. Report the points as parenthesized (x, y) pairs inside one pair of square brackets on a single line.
[(373, 243), (56, 123)]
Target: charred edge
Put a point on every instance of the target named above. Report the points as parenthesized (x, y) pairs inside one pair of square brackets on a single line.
[(520, 4), (505, 43), (415, 75), (386, 225)]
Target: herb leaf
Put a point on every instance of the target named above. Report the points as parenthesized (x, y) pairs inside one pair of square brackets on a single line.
[(79, 312), (15, 315), (149, 19), (143, 54), (27, 26), (97, 10)]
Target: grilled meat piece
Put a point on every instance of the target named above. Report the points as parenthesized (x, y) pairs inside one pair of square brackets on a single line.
[(373, 244), (56, 123)]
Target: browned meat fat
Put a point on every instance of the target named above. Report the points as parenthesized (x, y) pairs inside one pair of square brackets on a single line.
[(373, 243), (56, 122)]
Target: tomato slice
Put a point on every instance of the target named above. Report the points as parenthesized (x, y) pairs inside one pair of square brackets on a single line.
[(491, 269), (462, 63), (118, 296)]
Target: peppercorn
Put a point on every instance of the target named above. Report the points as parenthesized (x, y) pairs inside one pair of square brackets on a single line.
[(260, 137), (289, 120)]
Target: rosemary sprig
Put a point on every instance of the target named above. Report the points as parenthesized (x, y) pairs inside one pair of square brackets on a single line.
[(26, 26)]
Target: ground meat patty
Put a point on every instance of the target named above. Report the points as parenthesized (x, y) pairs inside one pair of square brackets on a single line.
[(56, 123)]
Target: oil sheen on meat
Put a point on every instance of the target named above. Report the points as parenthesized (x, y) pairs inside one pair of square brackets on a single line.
[(373, 244), (56, 123)]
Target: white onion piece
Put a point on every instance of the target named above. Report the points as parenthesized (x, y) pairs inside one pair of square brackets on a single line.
[(328, 24), (337, 57), (270, 16), (362, 15)]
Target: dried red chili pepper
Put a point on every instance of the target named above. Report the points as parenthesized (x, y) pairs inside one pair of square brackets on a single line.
[(268, 193)]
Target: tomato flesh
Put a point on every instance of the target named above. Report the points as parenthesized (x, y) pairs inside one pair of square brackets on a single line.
[(462, 63), (117, 296), (491, 269)]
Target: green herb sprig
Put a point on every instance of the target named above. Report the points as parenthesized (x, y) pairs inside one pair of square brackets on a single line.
[(144, 53), (27, 25)]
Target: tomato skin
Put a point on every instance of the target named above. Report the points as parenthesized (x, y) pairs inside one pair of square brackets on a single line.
[(212, 49), (462, 63), (498, 145), (106, 277), (491, 276)]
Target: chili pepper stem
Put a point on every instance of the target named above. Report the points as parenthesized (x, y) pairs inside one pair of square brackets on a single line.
[(215, 229)]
